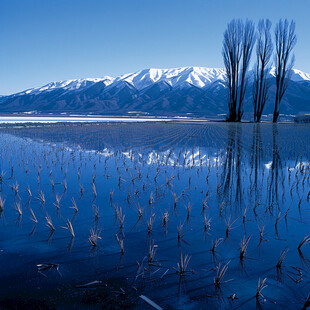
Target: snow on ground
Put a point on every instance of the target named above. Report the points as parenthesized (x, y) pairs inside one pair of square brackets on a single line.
[(57, 119)]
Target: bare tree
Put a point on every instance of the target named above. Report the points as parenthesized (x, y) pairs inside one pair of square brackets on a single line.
[(262, 67), (238, 42), (247, 47), (232, 55), (285, 41)]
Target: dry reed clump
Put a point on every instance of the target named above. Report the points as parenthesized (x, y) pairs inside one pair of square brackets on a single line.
[(229, 225), (281, 259), (220, 273), (32, 216), (28, 191), (150, 223), (74, 205), (18, 208), (182, 265), (96, 212), (261, 285), (165, 218), (94, 236), (94, 190), (2, 202), (15, 188), (69, 227), (120, 216), (49, 223), (57, 203), (41, 197), (152, 251), (244, 245), (120, 243), (216, 243), (304, 241), (207, 223)]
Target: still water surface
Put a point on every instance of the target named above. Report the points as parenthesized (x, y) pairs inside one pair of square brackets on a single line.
[(160, 191)]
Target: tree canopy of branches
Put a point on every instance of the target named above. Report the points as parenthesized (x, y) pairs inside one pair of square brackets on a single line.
[(264, 49), (285, 40), (239, 39)]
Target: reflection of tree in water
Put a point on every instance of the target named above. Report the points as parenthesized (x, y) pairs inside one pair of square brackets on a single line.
[(231, 176), (276, 165), (256, 160)]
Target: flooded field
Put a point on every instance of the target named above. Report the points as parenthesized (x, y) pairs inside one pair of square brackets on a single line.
[(155, 215)]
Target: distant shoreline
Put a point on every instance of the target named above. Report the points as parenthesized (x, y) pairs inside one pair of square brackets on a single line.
[(49, 119), (9, 120)]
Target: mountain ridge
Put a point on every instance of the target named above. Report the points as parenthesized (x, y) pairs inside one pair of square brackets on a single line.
[(196, 90), (209, 75)]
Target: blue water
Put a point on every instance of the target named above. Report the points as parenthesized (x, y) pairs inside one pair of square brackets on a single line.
[(264, 168)]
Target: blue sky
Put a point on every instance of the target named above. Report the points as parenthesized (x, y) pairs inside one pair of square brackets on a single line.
[(43, 41)]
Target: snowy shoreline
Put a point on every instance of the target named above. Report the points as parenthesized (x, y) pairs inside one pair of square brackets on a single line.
[(87, 119), (58, 119)]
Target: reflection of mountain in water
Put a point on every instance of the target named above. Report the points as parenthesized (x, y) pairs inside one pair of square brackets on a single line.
[(185, 144)]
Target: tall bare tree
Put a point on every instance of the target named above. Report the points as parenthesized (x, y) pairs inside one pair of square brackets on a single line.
[(247, 47), (264, 49), (239, 39), (232, 55), (285, 41)]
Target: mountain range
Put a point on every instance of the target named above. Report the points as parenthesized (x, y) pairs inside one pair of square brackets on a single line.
[(196, 91)]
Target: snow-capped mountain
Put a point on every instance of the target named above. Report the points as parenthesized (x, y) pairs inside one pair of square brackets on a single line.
[(296, 75), (176, 78), (196, 90), (69, 85)]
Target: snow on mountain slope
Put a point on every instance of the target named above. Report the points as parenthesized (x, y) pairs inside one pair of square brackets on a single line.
[(68, 85), (177, 78), (296, 75), (195, 90)]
